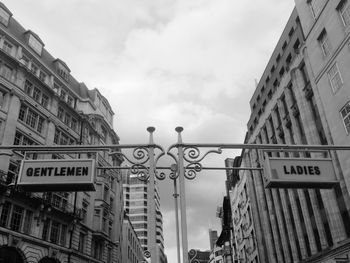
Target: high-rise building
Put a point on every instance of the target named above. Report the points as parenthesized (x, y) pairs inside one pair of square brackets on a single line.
[(302, 98), (142, 218), (41, 103), (213, 237)]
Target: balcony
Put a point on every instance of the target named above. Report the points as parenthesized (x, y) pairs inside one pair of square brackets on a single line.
[(100, 230)]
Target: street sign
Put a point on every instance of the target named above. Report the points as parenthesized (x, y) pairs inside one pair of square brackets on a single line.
[(299, 173), (57, 175)]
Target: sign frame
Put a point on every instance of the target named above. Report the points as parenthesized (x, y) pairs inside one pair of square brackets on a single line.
[(55, 185), (274, 180)]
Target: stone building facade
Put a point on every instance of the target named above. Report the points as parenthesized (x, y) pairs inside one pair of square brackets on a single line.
[(301, 99), (42, 104)]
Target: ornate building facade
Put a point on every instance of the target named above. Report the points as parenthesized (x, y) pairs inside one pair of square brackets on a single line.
[(42, 104)]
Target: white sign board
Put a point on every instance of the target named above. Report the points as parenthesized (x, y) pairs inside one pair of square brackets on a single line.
[(299, 173), (57, 175)]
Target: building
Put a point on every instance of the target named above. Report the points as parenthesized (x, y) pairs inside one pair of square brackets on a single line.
[(137, 198), (244, 238), (213, 237), (216, 255), (301, 98), (198, 256), (43, 104), (132, 252)]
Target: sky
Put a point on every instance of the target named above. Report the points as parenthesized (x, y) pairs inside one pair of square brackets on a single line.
[(168, 63)]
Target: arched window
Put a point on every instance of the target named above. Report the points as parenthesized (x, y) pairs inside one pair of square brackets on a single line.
[(10, 255), (48, 260)]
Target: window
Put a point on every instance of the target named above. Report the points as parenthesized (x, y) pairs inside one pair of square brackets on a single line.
[(315, 7), (6, 72), (284, 46), (104, 133), (36, 94), (96, 251), (70, 101), (28, 87), (31, 118), (104, 220), (60, 113), (62, 138), (34, 69), (344, 11), (45, 100), (63, 95), (54, 232), (74, 124), (63, 73), (5, 214), (28, 222), (54, 236), (84, 210), (42, 76), (14, 216), (63, 235), (21, 139), (67, 119), (324, 43), (105, 193), (7, 47), (64, 116), (335, 78), (4, 16), (82, 237), (16, 219), (345, 113), (35, 44)]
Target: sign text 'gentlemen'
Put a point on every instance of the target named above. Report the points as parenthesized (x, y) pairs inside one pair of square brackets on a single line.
[(54, 171)]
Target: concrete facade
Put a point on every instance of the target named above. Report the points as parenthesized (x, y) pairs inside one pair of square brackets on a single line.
[(304, 104), (42, 104)]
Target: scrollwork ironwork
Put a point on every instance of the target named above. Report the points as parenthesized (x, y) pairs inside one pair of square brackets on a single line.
[(160, 175), (141, 154), (192, 169), (141, 171), (193, 254), (193, 154)]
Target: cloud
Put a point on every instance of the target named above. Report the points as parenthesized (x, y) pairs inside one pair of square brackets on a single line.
[(166, 63)]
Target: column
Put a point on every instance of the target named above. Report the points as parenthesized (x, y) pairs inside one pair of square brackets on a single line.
[(10, 127), (297, 222), (251, 178), (328, 196), (277, 206), (264, 213), (289, 227)]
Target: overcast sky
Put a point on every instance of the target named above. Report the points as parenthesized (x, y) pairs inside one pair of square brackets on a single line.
[(167, 63)]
